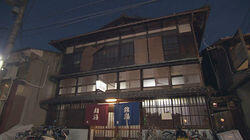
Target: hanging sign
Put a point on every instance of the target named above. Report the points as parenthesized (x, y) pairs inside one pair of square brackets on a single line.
[(166, 116), (100, 85), (96, 114), (127, 114)]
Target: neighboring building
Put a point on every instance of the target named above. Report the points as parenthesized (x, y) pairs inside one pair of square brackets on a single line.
[(226, 68), (151, 61), (23, 84)]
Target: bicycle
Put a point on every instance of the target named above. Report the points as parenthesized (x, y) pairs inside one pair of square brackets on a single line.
[(44, 132)]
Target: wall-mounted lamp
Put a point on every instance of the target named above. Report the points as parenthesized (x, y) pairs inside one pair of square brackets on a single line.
[(214, 104), (111, 100), (222, 119), (185, 121)]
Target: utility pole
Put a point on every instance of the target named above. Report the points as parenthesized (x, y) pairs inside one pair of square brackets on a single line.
[(15, 29)]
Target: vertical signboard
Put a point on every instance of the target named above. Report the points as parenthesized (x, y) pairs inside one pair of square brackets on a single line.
[(127, 114), (96, 115)]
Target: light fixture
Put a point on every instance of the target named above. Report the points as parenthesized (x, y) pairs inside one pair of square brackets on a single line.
[(1, 63), (100, 85), (106, 103), (111, 100), (6, 85), (185, 121), (214, 104), (222, 119)]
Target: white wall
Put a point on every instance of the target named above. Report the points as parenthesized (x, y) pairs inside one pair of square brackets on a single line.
[(78, 134)]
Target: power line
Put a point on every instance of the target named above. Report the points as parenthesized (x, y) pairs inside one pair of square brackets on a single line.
[(29, 10), (109, 12), (63, 12), (89, 16), (4, 28), (75, 8)]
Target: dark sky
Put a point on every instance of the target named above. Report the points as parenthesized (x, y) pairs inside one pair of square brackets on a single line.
[(224, 19)]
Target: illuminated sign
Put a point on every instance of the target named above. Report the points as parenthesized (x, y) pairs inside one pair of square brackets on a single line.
[(100, 85)]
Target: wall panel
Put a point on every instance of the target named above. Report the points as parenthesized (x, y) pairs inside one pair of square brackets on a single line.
[(155, 49), (87, 58), (140, 47)]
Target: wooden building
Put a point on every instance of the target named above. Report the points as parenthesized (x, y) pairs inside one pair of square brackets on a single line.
[(152, 61), (226, 69)]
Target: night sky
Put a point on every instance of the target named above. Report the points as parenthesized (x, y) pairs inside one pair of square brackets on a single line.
[(224, 19)]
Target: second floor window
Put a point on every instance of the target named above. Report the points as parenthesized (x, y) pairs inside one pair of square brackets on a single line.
[(71, 62), (170, 45), (127, 52), (114, 54)]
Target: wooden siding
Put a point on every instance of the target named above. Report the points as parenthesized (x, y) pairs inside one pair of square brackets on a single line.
[(141, 53), (155, 49), (87, 58)]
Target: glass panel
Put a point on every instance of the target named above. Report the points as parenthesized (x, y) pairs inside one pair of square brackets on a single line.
[(67, 82), (192, 79), (70, 90), (190, 69), (134, 84), (195, 120), (184, 101), (110, 80), (82, 89), (156, 72), (149, 83), (123, 85), (184, 28), (188, 115), (193, 110), (88, 80), (162, 82), (90, 88), (202, 110), (185, 111), (130, 84), (112, 86), (129, 75), (186, 120), (179, 80)]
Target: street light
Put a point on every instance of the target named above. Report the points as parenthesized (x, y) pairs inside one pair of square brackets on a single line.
[(1, 63)]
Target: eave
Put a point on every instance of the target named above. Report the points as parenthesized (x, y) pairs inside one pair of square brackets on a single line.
[(69, 41), (130, 67), (130, 95)]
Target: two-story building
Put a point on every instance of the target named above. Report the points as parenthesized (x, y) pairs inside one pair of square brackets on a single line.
[(24, 82), (226, 69), (154, 62)]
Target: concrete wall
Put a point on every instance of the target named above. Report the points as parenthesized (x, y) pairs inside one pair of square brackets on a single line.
[(32, 86), (39, 72)]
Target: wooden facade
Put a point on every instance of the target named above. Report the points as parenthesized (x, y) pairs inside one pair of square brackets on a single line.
[(226, 62), (151, 61), (226, 69)]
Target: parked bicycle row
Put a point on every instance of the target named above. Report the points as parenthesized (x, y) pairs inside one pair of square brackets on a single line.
[(44, 132)]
